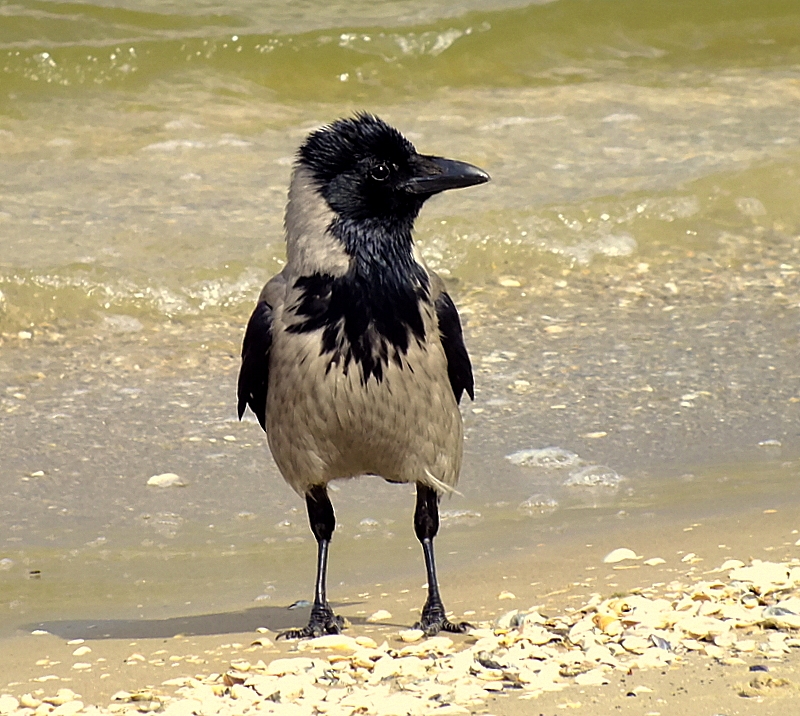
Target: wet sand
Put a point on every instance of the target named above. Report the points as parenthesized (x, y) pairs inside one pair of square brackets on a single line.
[(558, 576)]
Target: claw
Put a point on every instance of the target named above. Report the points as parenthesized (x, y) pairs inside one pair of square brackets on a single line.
[(319, 625), (433, 627), (433, 620)]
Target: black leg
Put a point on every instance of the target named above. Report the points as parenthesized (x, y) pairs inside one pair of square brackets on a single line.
[(323, 522), (426, 525)]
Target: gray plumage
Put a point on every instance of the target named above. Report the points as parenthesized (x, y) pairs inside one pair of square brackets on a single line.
[(354, 360)]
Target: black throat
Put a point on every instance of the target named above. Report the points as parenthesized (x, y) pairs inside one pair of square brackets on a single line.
[(371, 314)]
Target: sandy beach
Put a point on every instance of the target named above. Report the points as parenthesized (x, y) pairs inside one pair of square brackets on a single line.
[(546, 609), (626, 535)]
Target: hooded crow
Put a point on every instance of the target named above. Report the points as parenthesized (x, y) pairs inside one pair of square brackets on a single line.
[(353, 360)]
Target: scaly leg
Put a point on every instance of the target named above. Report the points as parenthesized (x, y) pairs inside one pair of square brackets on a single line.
[(426, 525), (322, 521)]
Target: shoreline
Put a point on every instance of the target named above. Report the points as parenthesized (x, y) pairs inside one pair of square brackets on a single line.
[(573, 584)]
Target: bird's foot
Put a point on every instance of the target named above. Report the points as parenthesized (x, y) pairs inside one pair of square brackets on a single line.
[(434, 620), (322, 621)]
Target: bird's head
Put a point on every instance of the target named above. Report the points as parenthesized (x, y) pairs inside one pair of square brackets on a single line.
[(366, 170)]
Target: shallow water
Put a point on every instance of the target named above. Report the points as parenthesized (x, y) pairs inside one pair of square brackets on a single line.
[(628, 281)]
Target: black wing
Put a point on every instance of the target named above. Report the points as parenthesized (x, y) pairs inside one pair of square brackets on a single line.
[(254, 373), (459, 368)]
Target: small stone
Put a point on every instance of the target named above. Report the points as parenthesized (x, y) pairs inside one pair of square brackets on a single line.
[(654, 561), (81, 651)]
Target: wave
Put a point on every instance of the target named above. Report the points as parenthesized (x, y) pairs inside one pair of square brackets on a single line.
[(46, 47)]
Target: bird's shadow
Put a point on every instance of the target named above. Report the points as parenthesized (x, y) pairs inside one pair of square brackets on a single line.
[(275, 619)]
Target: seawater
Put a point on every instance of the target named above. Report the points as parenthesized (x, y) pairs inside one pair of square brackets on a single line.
[(628, 280)]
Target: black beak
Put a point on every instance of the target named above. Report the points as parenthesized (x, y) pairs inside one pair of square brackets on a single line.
[(435, 174)]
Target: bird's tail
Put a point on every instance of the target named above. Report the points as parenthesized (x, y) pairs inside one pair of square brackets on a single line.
[(436, 484)]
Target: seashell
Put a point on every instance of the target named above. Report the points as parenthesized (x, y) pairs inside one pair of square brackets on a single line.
[(745, 645), (620, 554), (68, 709), (595, 677), (62, 696), (608, 624), (242, 693), (620, 606), (265, 686), (600, 654), (281, 667), (660, 643), (508, 620), (230, 678), (366, 658), (380, 616), (431, 645), (714, 651), (411, 635), (780, 617), (291, 686), (692, 644), (184, 707), (8, 704), (262, 641), (765, 577), (730, 564), (636, 644), (537, 635), (703, 627), (654, 561), (27, 701), (652, 658), (330, 642)]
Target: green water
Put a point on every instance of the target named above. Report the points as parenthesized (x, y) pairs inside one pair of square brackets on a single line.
[(628, 280)]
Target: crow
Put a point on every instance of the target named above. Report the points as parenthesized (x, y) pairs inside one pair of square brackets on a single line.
[(353, 360)]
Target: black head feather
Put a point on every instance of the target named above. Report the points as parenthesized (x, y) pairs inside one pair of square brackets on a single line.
[(361, 166)]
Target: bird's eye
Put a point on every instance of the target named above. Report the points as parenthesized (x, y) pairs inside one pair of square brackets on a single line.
[(380, 172)]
